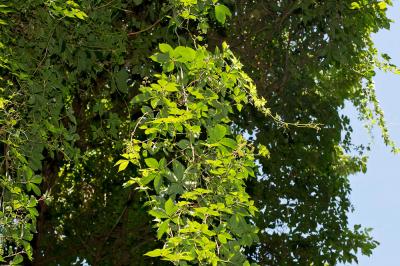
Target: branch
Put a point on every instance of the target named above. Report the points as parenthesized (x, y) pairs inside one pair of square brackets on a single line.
[(145, 29)]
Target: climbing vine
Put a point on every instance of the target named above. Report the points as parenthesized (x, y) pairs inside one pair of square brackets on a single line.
[(190, 164), (153, 89), (28, 128)]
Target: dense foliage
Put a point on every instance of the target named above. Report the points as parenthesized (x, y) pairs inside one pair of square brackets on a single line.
[(132, 135)]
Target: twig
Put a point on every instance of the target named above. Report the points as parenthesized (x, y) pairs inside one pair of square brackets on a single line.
[(137, 124), (46, 50), (145, 29), (152, 25)]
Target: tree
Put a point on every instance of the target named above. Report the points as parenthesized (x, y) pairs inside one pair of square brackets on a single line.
[(132, 128)]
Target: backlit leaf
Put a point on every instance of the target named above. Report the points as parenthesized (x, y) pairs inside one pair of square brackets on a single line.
[(151, 162), (221, 12)]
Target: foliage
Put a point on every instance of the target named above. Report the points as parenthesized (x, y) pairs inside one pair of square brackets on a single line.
[(308, 59), (197, 168), (78, 90)]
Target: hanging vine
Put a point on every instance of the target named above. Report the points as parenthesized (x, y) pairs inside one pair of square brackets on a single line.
[(189, 163)]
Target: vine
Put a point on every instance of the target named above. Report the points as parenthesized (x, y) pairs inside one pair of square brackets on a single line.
[(28, 128), (190, 158), (69, 103), (189, 163)]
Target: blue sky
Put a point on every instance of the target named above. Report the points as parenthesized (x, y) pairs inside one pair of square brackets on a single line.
[(375, 194)]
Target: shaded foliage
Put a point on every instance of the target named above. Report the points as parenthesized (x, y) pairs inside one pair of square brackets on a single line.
[(69, 74)]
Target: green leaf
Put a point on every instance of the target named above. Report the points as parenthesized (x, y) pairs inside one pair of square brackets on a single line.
[(184, 54), (263, 151), (162, 229), (157, 253), (18, 259), (151, 130), (162, 163), (33, 212), (158, 214), (154, 103), (183, 144), (175, 188), (28, 172), (151, 162), (170, 86), (160, 57), (168, 66), (221, 12), (222, 239), (79, 14), (16, 190), (129, 183), (382, 5), (355, 5), (179, 169), (121, 80), (35, 189), (157, 183), (2, 103), (216, 133), (165, 48), (181, 256), (122, 165), (147, 179), (36, 179), (229, 143), (170, 207)]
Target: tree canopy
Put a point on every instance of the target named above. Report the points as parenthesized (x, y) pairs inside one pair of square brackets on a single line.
[(210, 132)]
